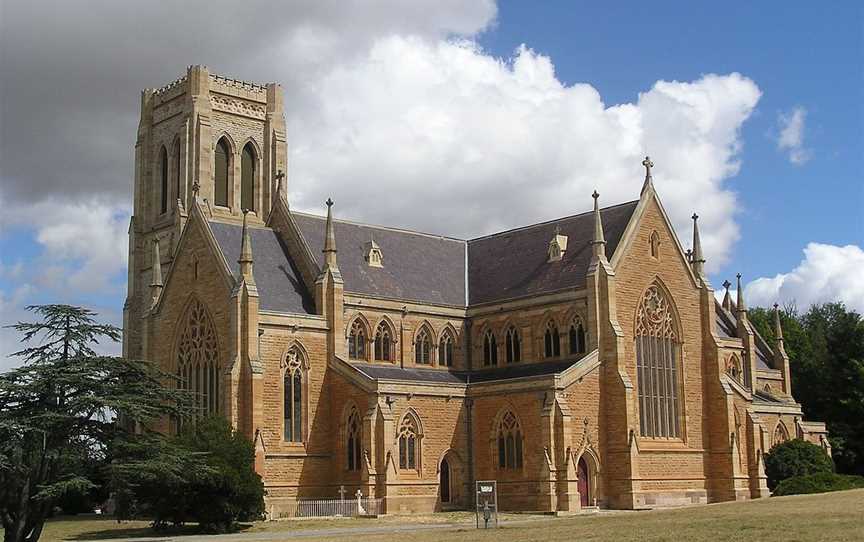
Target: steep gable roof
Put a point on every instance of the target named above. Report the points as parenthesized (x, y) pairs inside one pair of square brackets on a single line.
[(417, 267), (280, 288), (514, 263)]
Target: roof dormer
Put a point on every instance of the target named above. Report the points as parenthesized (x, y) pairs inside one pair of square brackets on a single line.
[(557, 246), (372, 254)]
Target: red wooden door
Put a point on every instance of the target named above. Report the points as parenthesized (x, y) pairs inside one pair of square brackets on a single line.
[(583, 482)]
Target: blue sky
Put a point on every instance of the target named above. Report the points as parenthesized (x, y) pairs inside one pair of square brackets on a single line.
[(491, 114), (800, 55)]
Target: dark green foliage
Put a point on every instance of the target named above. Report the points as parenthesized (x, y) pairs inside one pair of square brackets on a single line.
[(826, 358), (204, 475), (59, 411), (818, 483), (795, 458)]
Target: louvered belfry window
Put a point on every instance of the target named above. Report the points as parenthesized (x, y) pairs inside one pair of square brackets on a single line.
[(658, 351)]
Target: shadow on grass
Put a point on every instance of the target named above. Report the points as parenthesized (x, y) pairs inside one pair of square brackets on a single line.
[(149, 532)]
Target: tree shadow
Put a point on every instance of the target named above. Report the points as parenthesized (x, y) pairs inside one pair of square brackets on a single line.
[(151, 533)]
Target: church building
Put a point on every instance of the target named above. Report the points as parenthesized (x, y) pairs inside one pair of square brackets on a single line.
[(581, 362)]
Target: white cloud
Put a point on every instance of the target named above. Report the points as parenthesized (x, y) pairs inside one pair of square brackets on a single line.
[(827, 273), (791, 137), (84, 246), (443, 137)]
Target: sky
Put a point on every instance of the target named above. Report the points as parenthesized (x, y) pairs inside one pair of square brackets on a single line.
[(455, 117)]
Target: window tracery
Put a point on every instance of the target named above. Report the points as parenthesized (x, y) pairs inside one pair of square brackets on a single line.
[(357, 341), (409, 440), (198, 358), (490, 349), (577, 336), (293, 383), (422, 347), (353, 444), (657, 355), (551, 340), (509, 442), (383, 341), (445, 350), (514, 345)]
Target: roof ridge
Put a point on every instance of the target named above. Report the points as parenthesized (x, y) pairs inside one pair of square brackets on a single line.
[(381, 227), (550, 221)]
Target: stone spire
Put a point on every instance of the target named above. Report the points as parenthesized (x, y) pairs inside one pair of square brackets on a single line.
[(330, 238), (599, 242), (698, 259), (649, 182), (156, 283), (778, 329), (727, 298), (742, 308), (245, 260)]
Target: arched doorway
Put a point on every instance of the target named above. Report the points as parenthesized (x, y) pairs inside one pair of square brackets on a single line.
[(444, 481), (583, 485)]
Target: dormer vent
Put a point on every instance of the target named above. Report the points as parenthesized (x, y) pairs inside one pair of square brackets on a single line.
[(557, 246), (372, 254)]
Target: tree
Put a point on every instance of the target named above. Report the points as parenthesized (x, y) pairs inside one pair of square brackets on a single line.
[(826, 360), (61, 407), (206, 475)]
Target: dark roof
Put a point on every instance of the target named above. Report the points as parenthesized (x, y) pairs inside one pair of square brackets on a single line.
[(764, 354), (280, 287), (726, 326), (417, 267), (390, 372), (514, 263), (522, 371)]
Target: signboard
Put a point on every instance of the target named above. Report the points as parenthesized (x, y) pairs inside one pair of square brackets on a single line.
[(487, 503)]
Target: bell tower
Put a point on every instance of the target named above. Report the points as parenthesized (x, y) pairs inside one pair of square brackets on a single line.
[(203, 136)]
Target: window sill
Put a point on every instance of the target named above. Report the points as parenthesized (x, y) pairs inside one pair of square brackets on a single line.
[(648, 444)]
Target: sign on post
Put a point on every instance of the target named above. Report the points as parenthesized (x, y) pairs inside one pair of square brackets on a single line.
[(487, 503)]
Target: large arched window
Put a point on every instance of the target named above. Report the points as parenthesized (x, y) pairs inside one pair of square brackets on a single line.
[(292, 390), (222, 165), (551, 340), (247, 178), (383, 343), (514, 345), (445, 350), (409, 443), (353, 442), (509, 442), (198, 367), (357, 340), (163, 180), (177, 169), (657, 354), (490, 349), (422, 347), (577, 336), (733, 369)]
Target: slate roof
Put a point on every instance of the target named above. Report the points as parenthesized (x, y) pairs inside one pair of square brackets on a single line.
[(280, 287), (390, 372), (417, 267), (514, 263), (727, 326)]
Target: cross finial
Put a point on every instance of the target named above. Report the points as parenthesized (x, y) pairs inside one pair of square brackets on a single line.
[(196, 187), (648, 165), (776, 306), (689, 255), (280, 175), (738, 276), (329, 202), (727, 284), (595, 195), (695, 216)]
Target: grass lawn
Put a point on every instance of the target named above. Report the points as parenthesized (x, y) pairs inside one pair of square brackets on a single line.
[(832, 516)]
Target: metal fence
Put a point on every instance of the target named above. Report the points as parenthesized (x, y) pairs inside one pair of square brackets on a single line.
[(323, 508)]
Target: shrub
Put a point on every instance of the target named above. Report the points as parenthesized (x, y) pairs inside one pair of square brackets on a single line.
[(795, 458), (818, 483)]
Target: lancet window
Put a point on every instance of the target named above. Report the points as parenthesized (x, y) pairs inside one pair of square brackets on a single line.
[(198, 369), (509, 442), (658, 352), (514, 345)]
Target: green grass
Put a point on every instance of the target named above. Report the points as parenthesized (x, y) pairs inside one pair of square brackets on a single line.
[(829, 516)]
